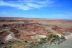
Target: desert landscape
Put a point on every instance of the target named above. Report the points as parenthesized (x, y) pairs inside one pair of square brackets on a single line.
[(31, 33), (35, 23)]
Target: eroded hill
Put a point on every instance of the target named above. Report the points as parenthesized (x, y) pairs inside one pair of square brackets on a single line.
[(30, 33)]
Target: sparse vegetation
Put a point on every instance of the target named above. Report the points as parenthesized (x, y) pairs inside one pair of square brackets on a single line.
[(55, 39)]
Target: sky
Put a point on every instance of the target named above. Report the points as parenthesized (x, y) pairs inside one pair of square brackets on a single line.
[(50, 9)]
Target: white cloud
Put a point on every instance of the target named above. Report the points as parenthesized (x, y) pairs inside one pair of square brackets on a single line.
[(26, 4)]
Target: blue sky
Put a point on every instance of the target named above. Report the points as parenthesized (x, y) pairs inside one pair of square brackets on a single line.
[(51, 9)]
